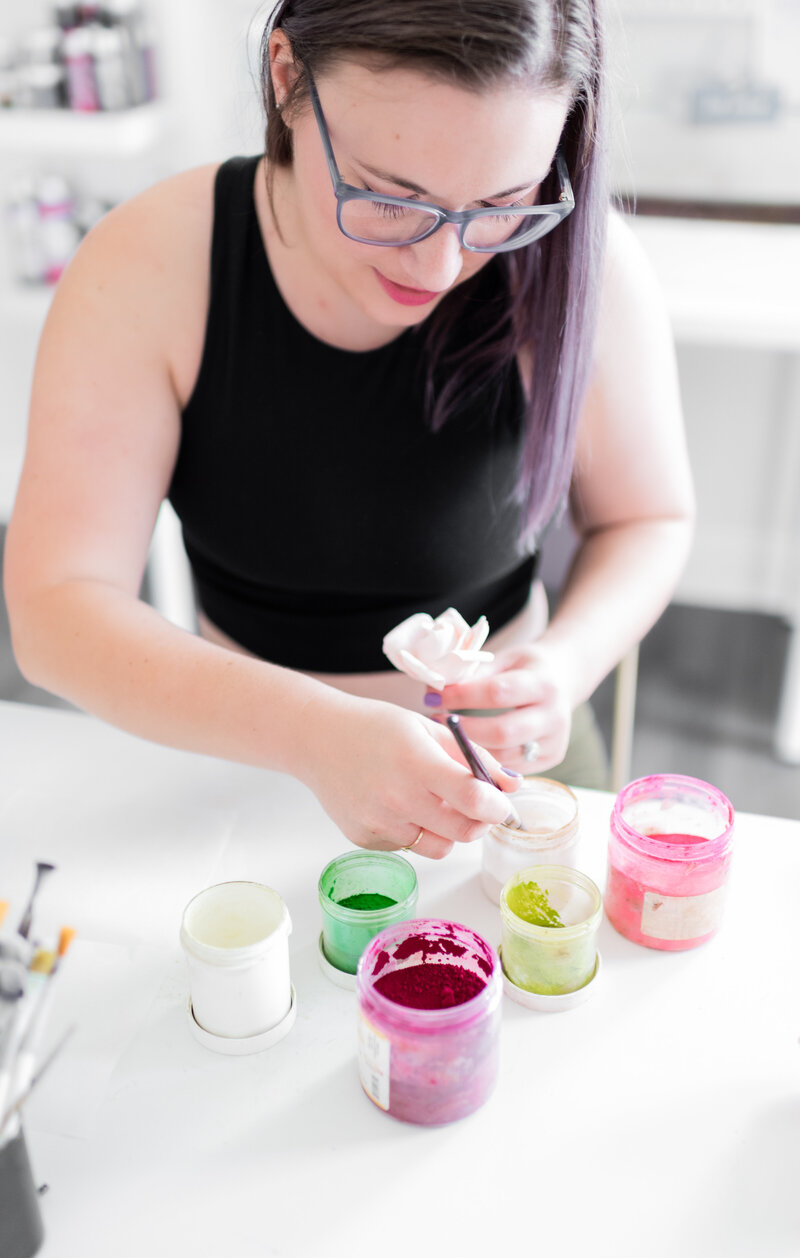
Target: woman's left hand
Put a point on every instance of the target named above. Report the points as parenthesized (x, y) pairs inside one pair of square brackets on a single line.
[(532, 735)]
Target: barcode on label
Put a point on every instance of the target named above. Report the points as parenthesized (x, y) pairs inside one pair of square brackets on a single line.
[(374, 1056)]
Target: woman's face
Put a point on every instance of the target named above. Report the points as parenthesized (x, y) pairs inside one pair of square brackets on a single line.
[(401, 133)]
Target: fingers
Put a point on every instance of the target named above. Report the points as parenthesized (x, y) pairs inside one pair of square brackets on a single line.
[(474, 799), (432, 846), (438, 823), (514, 688), (502, 776), (525, 740), (497, 733)]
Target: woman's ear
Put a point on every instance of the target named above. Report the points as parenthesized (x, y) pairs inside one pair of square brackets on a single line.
[(282, 68)]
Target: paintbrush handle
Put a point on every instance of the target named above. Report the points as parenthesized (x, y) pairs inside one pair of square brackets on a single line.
[(470, 754), (6, 1115), (478, 768)]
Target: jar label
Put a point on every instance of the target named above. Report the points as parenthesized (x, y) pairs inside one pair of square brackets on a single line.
[(681, 917), (374, 1056)]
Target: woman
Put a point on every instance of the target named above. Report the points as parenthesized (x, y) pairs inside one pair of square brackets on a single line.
[(407, 346)]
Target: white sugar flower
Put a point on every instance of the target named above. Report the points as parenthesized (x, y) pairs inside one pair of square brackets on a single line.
[(438, 652)]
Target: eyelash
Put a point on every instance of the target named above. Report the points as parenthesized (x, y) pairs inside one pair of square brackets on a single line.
[(394, 211)]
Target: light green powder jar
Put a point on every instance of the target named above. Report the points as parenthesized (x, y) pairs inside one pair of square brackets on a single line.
[(539, 955)]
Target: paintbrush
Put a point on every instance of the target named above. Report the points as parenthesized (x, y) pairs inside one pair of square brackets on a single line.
[(479, 769), (26, 921), (18, 1059), (18, 1102)]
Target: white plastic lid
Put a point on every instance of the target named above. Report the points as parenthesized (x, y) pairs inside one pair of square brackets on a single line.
[(241, 1046), (551, 1004), (340, 977)]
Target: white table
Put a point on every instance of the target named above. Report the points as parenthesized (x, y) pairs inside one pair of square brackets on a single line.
[(659, 1118)]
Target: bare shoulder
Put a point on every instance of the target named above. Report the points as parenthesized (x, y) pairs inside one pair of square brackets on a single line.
[(166, 226), (144, 270)]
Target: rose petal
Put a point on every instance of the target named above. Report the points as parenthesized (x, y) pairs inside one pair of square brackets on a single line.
[(412, 666), (436, 643), (478, 634), (405, 635), (476, 657)]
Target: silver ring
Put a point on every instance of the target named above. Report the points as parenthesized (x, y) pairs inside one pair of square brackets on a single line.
[(411, 846), (530, 751)]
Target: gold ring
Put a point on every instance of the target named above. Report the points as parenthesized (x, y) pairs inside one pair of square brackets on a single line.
[(411, 846)]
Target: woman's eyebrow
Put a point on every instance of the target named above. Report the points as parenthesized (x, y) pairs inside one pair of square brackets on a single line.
[(408, 183)]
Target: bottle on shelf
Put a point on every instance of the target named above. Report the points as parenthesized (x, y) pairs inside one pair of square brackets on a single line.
[(82, 91), (91, 58), (45, 222), (59, 231), (26, 249)]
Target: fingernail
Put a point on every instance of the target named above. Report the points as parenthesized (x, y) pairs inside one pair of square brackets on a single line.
[(432, 700), (512, 773), (513, 821)]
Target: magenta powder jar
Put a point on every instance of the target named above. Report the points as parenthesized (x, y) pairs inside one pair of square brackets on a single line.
[(434, 1061), (669, 856)]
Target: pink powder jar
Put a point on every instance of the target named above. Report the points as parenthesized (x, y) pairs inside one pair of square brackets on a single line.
[(668, 861), (429, 995)]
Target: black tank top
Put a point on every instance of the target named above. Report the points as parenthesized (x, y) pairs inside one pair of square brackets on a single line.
[(318, 507)]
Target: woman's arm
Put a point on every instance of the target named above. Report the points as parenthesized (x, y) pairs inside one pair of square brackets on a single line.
[(632, 498), (632, 504), (117, 361)]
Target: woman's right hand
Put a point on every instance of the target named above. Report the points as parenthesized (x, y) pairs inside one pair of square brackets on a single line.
[(389, 777)]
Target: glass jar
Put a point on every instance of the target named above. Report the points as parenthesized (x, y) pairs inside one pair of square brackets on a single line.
[(360, 893), (549, 812), (551, 959), (668, 861), (428, 1065)]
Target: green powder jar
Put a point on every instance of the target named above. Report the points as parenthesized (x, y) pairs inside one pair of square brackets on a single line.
[(360, 894), (550, 917)]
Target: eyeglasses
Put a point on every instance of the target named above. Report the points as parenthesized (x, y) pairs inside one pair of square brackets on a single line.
[(371, 219)]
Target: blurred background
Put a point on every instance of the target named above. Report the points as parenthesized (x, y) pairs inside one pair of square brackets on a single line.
[(99, 100)]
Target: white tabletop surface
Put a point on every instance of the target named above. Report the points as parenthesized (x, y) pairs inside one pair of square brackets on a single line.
[(660, 1118)]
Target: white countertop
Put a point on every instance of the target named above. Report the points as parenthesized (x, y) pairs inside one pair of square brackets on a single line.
[(659, 1118)]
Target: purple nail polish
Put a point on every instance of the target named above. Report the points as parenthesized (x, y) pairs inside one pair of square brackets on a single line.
[(432, 700), (512, 773)]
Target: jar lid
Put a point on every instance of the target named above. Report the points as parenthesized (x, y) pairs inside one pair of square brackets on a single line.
[(544, 1003), (241, 1046), (340, 977)]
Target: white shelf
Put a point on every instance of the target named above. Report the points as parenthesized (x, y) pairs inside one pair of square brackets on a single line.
[(727, 283), (64, 132)]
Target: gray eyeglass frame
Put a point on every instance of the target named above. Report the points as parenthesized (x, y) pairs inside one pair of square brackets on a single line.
[(461, 218)]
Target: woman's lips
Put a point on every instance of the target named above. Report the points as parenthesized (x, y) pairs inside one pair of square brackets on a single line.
[(405, 296)]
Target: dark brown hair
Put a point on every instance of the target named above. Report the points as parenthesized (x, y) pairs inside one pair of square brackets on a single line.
[(548, 307)]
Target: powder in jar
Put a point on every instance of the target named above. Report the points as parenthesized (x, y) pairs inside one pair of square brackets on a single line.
[(532, 904), (430, 986), (367, 901)]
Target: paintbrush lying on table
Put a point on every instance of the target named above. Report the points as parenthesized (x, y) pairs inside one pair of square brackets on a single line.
[(479, 770)]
